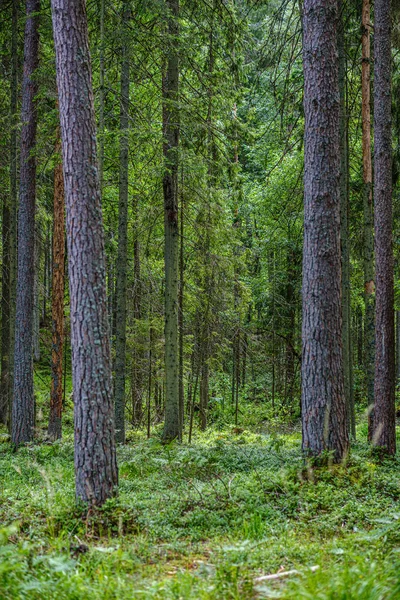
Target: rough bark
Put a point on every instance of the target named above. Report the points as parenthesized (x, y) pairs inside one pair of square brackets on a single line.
[(122, 256), (96, 472), (368, 258), (323, 402), (57, 303), (384, 430), (171, 233), (23, 399)]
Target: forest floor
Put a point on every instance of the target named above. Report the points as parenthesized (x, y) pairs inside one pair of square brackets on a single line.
[(202, 522)]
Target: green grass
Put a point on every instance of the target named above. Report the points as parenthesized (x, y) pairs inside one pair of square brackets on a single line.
[(201, 522)]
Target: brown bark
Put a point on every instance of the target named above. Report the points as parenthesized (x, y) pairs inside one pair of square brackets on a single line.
[(384, 426), (57, 303), (323, 401), (96, 474)]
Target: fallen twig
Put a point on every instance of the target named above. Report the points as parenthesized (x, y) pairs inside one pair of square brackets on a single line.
[(282, 574)]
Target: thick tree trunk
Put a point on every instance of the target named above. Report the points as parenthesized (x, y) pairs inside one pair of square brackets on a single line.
[(344, 227), (23, 400), (384, 426), (122, 257), (323, 402), (369, 284), (170, 187), (96, 472), (57, 302)]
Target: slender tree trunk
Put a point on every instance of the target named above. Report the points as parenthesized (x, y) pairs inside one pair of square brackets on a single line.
[(36, 297), (369, 284), (96, 472), (398, 346), (13, 196), (180, 318), (344, 228), (384, 426), (57, 302), (137, 375), (101, 100), (323, 402), (122, 257), (23, 400), (170, 186), (8, 234)]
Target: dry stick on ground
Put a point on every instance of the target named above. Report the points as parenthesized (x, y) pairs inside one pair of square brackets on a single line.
[(282, 574)]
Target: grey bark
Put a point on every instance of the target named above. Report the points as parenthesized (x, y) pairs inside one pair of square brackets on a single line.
[(96, 474), (323, 401), (384, 425), (23, 399)]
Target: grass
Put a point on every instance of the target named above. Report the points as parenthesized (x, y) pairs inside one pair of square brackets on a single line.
[(201, 522)]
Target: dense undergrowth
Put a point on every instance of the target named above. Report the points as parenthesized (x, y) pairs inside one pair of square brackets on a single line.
[(202, 522)]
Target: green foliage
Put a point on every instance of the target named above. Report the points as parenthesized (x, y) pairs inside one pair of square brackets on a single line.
[(201, 521)]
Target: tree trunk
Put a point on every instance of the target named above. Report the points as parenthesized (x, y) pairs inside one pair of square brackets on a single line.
[(180, 318), (23, 400), (369, 285), (344, 227), (384, 426), (398, 346), (57, 302), (170, 187), (122, 257), (96, 472), (8, 231), (323, 402), (137, 375), (36, 297)]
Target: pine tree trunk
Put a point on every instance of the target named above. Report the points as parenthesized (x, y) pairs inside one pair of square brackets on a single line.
[(369, 284), (323, 402), (23, 400), (170, 187), (57, 302), (122, 257), (96, 474), (384, 426)]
